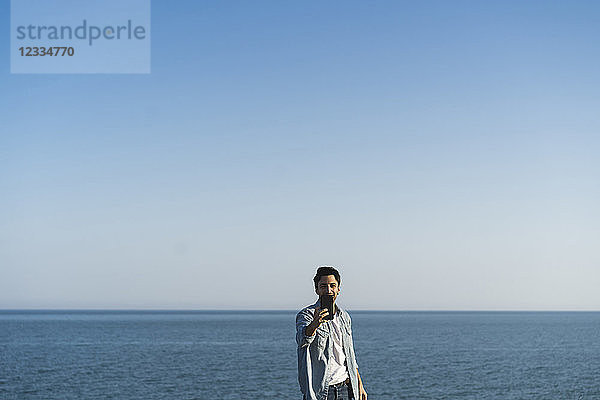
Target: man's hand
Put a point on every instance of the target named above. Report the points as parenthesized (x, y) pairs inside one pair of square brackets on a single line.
[(318, 316), (363, 393)]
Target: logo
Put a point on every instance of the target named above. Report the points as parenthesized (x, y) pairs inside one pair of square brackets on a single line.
[(84, 36)]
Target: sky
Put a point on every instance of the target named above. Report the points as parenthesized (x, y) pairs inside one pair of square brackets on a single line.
[(442, 154)]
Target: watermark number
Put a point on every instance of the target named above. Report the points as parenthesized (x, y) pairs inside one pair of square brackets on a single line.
[(47, 51)]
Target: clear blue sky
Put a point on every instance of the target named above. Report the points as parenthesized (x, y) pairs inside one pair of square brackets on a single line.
[(443, 154)]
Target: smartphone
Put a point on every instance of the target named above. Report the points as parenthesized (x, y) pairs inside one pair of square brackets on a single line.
[(327, 302)]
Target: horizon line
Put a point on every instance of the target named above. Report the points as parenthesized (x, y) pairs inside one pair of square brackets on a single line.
[(289, 310)]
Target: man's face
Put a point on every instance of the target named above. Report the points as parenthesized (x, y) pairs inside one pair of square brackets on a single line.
[(328, 285)]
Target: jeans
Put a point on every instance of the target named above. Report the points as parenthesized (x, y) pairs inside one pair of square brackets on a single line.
[(343, 392)]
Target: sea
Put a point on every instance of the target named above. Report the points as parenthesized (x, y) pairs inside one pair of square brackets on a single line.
[(135, 355)]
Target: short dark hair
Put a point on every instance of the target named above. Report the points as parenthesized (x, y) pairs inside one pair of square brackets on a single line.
[(326, 270)]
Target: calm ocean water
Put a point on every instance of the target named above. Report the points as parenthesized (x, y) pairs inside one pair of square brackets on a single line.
[(252, 355)]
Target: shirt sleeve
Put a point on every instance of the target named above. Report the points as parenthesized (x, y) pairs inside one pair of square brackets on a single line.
[(303, 318), (349, 326)]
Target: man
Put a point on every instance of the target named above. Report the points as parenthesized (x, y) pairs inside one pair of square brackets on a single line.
[(327, 366)]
